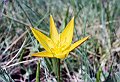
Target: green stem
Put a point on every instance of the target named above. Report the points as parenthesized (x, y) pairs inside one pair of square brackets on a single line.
[(38, 72), (58, 71)]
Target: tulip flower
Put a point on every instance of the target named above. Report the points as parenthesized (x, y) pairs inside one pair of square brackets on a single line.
[(58, 45)]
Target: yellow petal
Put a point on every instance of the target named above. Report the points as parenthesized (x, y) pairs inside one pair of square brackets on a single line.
[(53, 31), (78, 43), (43, 54), (67, 34), (45, 41)]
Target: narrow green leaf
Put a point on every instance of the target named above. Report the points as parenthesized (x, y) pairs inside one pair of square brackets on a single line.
[(38, 72)]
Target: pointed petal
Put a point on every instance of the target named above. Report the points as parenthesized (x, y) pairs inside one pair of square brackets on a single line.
[(67, 35), (53, 31), (43, 54), (45, 41), (78, 43)]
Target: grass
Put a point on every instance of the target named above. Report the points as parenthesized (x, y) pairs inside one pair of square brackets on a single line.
[(97, 60)]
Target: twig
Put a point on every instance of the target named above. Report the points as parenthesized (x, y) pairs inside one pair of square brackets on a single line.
[(17, 20), (17, 53), (26, 61), (28, 25), (116, 49), (15, 42)]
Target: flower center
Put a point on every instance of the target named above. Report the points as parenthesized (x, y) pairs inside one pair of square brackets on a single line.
[(56, 50)]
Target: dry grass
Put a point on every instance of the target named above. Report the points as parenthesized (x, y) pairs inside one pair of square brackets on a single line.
[(97, 60)]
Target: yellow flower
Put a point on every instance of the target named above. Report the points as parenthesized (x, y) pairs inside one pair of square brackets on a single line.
[(57, 45)]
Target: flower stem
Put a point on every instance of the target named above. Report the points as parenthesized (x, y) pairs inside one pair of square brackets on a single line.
[(38, 72), (58, 71)]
